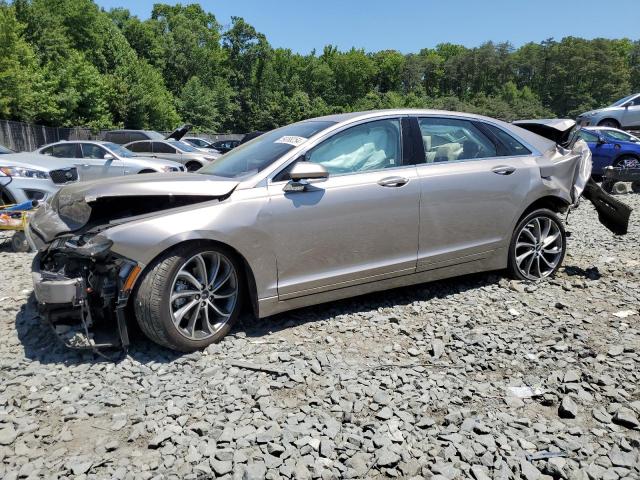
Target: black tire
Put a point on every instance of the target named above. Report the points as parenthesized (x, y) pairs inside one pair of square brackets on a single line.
[(609, 122), (19, 243), (193, 166), (512, 266), (152, 304), (635, 186)]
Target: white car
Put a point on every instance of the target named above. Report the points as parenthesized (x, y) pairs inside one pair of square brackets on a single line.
[(29, 176), (96, 159)]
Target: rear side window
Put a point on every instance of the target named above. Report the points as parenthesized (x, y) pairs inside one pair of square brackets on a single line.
[(587, 136), (512, 147), (161, 147), (140, 147), (89, 150), (63, 150), (453, 140)]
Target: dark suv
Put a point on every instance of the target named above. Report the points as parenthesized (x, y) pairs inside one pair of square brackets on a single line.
[(126, 136)]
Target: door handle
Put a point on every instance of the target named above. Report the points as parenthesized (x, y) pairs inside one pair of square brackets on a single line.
[(393, 181), (85, 165), (503, 170)]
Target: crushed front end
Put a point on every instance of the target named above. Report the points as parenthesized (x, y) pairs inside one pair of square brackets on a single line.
[(82, 290)]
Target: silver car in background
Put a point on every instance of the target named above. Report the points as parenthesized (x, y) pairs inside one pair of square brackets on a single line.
[(315, 211), (624, 113), (96, 159), (175, 150)]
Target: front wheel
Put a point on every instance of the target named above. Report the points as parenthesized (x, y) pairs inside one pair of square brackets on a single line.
[(190, 297), (538, 246)]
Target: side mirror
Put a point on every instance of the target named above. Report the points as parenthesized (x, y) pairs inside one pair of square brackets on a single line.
[(601, 139), (108, 157), (303, 171)]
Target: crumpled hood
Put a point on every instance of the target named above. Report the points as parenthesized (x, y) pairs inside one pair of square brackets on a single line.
[(103, 201)]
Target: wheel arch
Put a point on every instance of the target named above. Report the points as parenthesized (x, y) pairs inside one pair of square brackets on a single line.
[(249, 277), (625, 154), (551, 202), (609, 119)]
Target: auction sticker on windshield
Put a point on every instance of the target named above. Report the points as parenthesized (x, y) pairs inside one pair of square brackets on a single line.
[(291, 140)]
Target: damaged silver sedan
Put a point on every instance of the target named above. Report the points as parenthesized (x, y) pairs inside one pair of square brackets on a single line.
[(312, 212)]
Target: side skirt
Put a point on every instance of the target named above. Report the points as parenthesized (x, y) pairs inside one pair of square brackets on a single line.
[(272, 305)]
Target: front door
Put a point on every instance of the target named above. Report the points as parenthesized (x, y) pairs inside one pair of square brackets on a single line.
[(470, 195), (357, 226), (631, 114), (94, 165)]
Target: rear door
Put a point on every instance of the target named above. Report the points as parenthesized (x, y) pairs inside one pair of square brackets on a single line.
[(472, 188)]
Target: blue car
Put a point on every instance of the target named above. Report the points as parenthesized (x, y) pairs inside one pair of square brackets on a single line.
[(611, 147)]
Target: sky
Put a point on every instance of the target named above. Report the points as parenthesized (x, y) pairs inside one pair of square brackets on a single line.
[(410, 25)]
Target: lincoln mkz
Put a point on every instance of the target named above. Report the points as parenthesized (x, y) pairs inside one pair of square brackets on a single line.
[(312, 212)]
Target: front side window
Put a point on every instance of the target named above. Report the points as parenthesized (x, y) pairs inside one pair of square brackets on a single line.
[(89, 150), (621, 136), (140, 147), (452, 140), (183, 146), (370, 146), (161, 147)]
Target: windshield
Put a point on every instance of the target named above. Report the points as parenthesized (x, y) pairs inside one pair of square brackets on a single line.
[(198, 142), (119, 150), (256, 155), (622, 101), (185, 147)]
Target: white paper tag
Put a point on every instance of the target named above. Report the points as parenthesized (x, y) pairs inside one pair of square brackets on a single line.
[(291, 140)]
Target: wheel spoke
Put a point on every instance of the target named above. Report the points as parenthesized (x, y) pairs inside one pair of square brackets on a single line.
[(217, 310), (529, 263), (206, 324), (184, 293), (202, 268), (524, 255), (215, 268), (191, 326), (550, 239), (189, 278), (180, 313), (221, 281), (530, 235)]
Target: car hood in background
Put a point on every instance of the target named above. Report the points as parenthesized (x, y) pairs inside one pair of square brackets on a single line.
[(179, 132), (36, 161)]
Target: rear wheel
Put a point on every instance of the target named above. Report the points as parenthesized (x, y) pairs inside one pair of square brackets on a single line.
[(190, 297), (19, 242), (627, 161), (193, 166), (538, 246), (635, 187), (609, 122)]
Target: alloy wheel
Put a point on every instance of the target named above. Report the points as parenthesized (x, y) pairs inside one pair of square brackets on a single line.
[(539, 248), (204, 293), (628, 162)]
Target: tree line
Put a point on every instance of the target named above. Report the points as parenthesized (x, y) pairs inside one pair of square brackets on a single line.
[(70, 63)]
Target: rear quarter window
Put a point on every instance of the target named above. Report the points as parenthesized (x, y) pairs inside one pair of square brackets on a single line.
[(511, 146)]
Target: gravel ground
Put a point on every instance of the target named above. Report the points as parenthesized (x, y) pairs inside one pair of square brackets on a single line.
[(411, 383)]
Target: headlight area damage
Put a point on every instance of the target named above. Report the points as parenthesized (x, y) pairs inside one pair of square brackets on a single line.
[(82, 287)]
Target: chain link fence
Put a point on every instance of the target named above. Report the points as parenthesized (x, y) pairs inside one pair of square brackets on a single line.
[(26, 137)]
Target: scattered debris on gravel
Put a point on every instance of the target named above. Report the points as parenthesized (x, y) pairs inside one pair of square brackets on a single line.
[(477, 377)]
